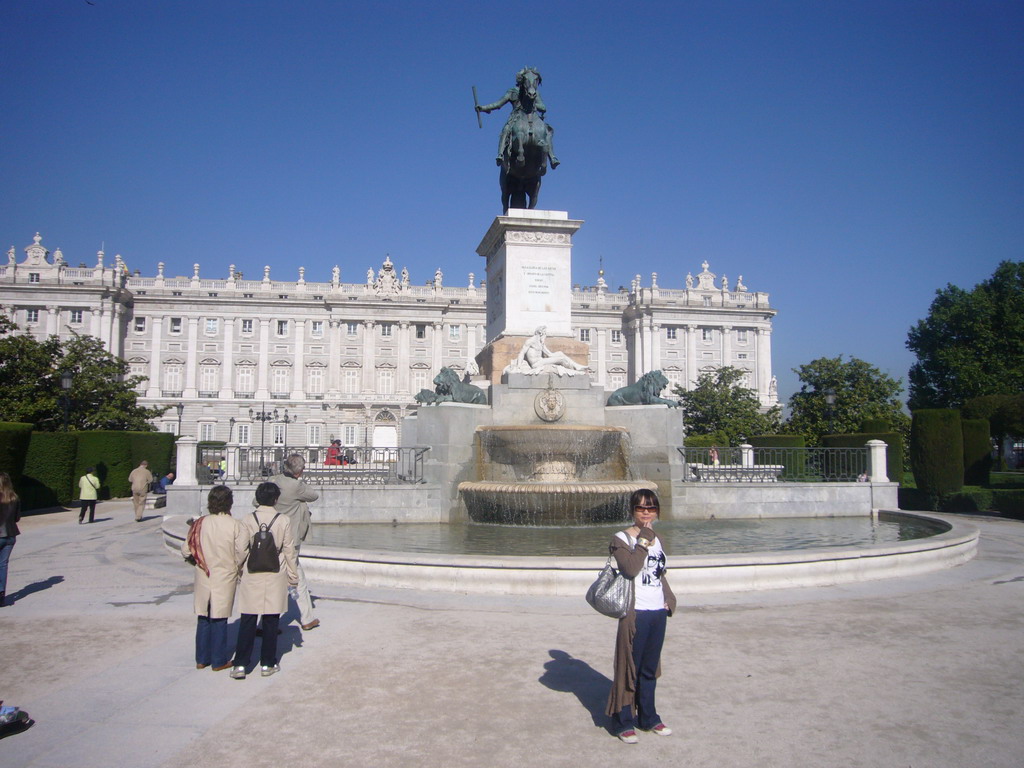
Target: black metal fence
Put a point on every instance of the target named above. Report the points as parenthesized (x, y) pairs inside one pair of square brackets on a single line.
[(244, 465), (772, 465)]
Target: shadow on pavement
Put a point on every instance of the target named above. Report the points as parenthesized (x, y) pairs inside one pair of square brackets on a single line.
[(37, 586), (564, 673)]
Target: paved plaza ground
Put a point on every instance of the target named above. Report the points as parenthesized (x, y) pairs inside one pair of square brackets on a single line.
[(98, 647)]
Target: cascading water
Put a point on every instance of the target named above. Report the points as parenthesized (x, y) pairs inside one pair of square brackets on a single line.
[(551, 475)]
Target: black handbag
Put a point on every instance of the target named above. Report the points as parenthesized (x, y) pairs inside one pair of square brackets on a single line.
[(611, 594)]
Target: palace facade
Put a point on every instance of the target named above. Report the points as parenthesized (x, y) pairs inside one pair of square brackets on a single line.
[(344, 360)]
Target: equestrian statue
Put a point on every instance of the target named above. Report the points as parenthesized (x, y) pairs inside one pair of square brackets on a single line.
[(526, 142)]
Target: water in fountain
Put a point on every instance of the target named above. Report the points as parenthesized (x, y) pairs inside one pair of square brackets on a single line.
[(550, 475)]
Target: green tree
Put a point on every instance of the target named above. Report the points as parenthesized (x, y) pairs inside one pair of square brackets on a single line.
[(971, 343), (862, 392), (102, 394), (719, 403), (1005, 414)]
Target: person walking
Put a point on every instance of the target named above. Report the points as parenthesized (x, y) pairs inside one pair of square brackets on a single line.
[(88, 493), (295, 495), (140, 478), (10, 513), (641, 633), (217, 545), (264, 593)]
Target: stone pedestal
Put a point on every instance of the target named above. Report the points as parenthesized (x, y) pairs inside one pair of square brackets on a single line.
[(529, 274), (496, 355)]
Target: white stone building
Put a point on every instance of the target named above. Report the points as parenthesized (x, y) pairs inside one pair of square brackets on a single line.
[(346, 359)]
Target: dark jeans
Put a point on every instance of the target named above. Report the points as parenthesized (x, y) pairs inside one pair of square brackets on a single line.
[(6, 545), (90, 506), (211, 641), (247, 636), (647, 642)]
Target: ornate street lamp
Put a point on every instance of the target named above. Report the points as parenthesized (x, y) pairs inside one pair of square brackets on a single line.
[(66, 380), (830, 411), (180, 408)]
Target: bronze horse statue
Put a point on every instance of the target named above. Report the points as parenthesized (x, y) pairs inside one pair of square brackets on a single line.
[(526, 142)]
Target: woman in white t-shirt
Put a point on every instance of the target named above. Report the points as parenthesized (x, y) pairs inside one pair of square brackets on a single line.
[(640, 556)]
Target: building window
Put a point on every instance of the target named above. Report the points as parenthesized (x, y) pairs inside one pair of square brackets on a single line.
[(76, 316), (175, 325), (616, 380), (33, 277), (206, 431), (670, 333), (585, 335), (421, 331), (616, 337), (350, 434), (454, 332), (385, 382), (278, 434), (419, 379), (315, 381), (243, 434), (247, 327), (350, 381), (212, 326), (279, 380), (140, 325), (707, 301), (172, 378), (741, 337), (741, 356), (317, 328), (314, 434), (138, 369), (208, 378), (705, 334), (386, 330), (31, 315), (282, 327), (244, 377), (170, 426), (352, 329)]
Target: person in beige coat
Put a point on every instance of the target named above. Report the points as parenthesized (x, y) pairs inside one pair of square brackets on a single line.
[(140, 478), (217, 546), (265, 593)]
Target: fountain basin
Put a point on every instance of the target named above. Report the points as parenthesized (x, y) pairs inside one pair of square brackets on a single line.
[(690, 574), (549, 504)]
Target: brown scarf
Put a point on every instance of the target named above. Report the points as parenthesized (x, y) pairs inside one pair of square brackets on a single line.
[(195, 545)]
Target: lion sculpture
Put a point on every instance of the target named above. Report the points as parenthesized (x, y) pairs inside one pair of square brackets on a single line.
[(644, 392), (449, 388)]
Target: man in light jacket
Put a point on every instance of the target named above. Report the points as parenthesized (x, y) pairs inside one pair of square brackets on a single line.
[(140, 478), (293, 502)]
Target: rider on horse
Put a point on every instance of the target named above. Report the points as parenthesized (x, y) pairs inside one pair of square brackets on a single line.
[(525, 99)]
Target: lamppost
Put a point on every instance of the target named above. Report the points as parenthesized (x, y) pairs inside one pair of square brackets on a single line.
[(263, 416), (830, 411), (180, 408), (66, 379)]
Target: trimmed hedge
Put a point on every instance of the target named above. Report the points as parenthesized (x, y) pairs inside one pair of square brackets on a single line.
[(977, 451), (893, 448), (14, 440), (794, 463), (875, 425), (1009, 503), (706, 441), (111, 454), (967, 500), (154, 447), (937, 451), (778, 441), (50, 479)]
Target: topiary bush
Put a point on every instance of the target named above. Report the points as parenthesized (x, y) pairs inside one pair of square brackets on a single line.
[(154, 447), (111, 454), (49, 479), (937, 451), (967, 500), (977, 451), (14, 440)]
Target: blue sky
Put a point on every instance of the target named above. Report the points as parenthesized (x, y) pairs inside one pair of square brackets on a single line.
[(849, 158)]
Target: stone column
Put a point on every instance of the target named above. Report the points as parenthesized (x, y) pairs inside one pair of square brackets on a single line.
[(402, 385), (192, 357), (104, 325), (369, 356), (227, 370), (334, 356), (726, 345), (470, 341), (299, 361), (637, 358), (263, 366), (655, 361), (117, 340), (94, 322), (435, 349), (691, 355), (52, 320), (602, 355), (764, 363), (153, 388)]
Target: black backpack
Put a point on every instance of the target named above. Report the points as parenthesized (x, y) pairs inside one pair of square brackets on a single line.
[(263, 555)]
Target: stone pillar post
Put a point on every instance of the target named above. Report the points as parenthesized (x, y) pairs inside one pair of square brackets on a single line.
[(231, 470), (746, 455), (185, 471), (877, 469)]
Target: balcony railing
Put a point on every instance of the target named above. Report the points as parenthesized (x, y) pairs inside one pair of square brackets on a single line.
[(245, 465)]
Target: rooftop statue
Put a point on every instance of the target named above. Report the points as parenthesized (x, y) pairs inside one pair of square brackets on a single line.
[(526, 142), (535, 358)]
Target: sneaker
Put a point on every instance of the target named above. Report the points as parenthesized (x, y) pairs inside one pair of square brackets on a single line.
[(267, 671), (237, 673), (629, 736), (662, 730)]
